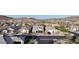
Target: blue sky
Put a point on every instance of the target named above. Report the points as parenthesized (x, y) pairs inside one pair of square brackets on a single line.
[(39, 16)]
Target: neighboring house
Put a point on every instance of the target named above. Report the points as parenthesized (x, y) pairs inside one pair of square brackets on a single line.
[(24, 30), (10, 30), (4, 31), (18, 24), (73, 28), (38, 29)]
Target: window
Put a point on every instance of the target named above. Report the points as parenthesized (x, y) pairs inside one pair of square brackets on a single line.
[(39, 31)]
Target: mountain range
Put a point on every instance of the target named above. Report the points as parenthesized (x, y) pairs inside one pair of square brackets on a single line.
[(31, 20)]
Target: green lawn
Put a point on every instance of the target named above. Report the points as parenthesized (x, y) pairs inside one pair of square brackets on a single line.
[(63, 29)]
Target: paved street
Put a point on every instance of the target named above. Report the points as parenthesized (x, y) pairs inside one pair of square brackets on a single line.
[(2, 41), (40, 39)]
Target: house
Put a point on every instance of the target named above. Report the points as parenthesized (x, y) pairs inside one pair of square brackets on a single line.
[(50, 29), (53, 31), (38, 29)]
